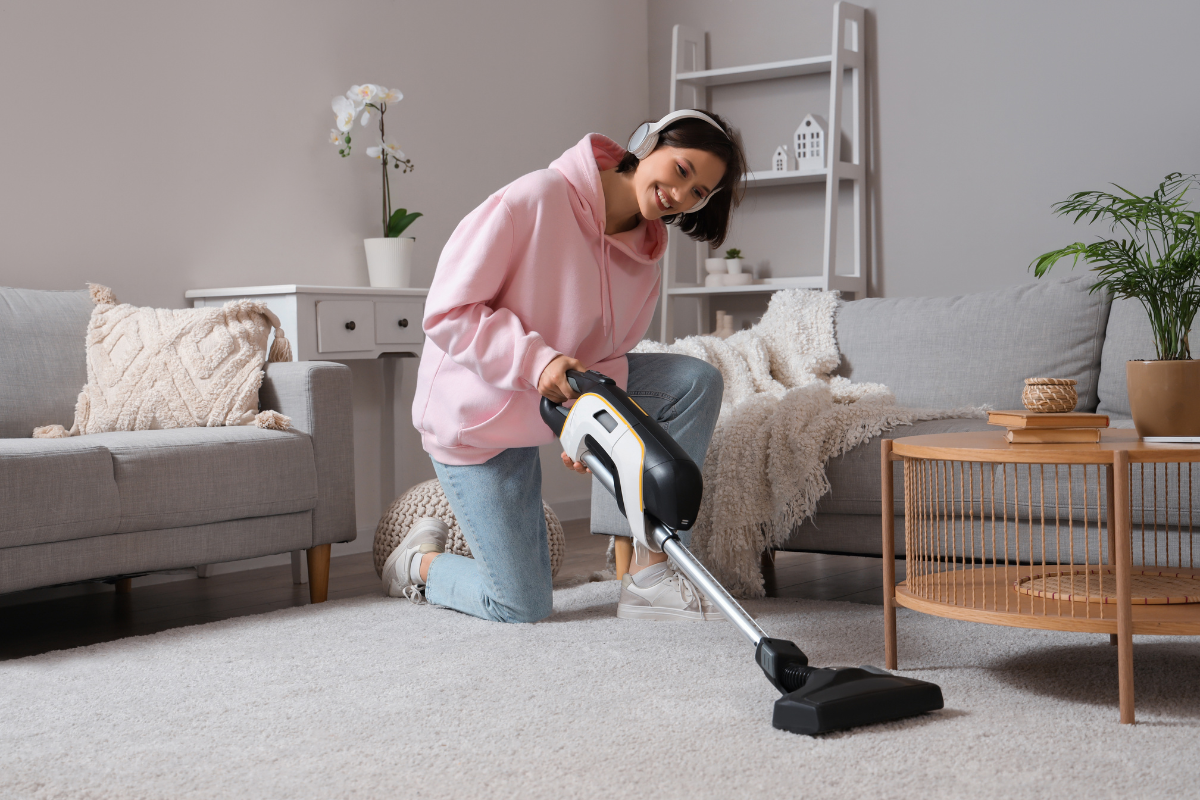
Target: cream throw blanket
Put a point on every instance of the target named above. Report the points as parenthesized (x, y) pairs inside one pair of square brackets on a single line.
[(783, 416), (153, 368)]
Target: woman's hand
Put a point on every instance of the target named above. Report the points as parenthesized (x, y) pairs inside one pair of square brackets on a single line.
[(553, 384), (578, 466)]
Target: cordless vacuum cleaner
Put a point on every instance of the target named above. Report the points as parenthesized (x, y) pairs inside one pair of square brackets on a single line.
[(658, 487)]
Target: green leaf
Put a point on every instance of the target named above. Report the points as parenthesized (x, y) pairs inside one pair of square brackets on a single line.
[(400, 220)]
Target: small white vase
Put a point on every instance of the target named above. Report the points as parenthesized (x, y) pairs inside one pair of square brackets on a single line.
[(389, 261), (734, 265)]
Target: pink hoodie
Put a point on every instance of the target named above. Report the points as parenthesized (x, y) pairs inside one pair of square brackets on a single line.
[(527, 275)]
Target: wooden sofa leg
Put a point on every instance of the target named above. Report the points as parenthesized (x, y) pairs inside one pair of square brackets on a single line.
[(318, 573), (622, 554), (124, 585), (768, 572)]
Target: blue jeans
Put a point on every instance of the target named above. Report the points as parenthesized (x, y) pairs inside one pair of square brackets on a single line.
[(498, 504)]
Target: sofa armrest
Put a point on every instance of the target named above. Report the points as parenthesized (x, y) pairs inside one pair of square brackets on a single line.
[(317, 396)]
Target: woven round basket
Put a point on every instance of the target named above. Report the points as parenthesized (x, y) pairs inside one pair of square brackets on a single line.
[(1049, 395), (1147, 587), (427, 500)]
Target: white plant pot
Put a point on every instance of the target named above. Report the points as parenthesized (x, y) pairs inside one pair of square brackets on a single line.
[(389, 261), (715, 266), (734, 265)]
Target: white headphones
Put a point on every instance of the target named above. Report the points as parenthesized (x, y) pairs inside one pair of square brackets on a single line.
[(645, 139)]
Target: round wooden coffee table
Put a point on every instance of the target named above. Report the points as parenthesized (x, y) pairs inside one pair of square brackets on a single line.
[(1019, 535)]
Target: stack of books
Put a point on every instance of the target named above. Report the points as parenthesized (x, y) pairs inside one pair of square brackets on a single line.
[(1032, 427)]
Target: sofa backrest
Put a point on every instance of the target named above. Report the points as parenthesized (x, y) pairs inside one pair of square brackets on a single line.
[(946, 352), (1129, 338), (43, 363)]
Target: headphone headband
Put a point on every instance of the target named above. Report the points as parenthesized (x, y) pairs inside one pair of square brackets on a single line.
[(645, 139)]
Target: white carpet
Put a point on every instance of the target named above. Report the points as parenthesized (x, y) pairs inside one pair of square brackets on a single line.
[(373, 697)]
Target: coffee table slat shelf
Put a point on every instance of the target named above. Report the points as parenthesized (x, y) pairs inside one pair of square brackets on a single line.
[(1019, 535)]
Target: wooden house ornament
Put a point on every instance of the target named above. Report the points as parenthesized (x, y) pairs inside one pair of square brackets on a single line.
[(779, 162), (809, 144)]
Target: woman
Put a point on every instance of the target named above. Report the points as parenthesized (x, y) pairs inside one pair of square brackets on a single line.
[(557, 271)]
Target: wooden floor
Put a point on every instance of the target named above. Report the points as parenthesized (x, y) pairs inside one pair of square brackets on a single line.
[(41, 620)]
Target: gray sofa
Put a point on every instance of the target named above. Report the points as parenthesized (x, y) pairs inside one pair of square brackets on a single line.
[(949, 352), (118, 504)]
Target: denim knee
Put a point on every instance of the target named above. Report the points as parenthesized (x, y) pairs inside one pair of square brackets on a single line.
[(708, 379), (529, 609)]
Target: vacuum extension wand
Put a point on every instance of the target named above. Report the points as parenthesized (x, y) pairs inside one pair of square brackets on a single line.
[(668, 541), (658, 488)]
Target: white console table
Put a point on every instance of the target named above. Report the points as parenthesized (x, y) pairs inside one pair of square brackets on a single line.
[(343, 323)]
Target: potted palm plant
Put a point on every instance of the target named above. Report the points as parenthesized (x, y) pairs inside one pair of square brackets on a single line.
[(1156, 261)]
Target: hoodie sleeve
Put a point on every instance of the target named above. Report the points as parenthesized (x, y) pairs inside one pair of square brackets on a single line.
[(491, 342)]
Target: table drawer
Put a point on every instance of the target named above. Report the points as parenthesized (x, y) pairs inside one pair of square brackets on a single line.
[(399, 322), (345, 326)]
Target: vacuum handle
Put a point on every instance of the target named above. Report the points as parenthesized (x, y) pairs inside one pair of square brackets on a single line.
[(587, 381), (555, 414)]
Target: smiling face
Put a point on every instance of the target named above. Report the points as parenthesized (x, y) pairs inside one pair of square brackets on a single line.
[(671, 180)]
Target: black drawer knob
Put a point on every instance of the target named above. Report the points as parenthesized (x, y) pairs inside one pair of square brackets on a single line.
[(403, 323), (350, 325)]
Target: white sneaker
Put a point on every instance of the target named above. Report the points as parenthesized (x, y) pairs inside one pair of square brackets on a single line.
[(671, 597), (427, 535)]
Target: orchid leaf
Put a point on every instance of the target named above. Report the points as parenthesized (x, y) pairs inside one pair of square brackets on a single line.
[(400, 220)]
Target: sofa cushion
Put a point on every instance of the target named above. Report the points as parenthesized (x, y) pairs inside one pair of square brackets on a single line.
[(194, 476), (946, 352), (1129, 338), (55, 489), (42, 358)]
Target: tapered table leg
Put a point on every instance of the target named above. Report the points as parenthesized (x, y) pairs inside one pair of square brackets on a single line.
[(887, 500), (1112, 531), (1124, 561), (318, 573)]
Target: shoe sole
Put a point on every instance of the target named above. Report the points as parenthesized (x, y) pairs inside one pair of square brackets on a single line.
[(390, 563), (669, 614), (390, 566)]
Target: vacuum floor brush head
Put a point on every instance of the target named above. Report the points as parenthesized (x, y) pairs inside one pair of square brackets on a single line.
[(837, 698)]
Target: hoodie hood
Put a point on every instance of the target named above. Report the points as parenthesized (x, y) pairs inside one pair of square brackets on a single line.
[(581, 166)]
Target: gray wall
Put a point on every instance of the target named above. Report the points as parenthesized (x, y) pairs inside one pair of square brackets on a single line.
[(156, 147), (986, 114)]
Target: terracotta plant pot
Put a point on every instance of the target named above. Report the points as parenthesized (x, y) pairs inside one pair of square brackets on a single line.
[(1164, 397)]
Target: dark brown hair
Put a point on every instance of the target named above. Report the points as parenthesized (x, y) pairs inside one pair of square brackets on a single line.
[(711, 223)]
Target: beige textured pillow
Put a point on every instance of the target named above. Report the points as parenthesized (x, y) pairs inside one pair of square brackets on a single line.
[(153, 368)]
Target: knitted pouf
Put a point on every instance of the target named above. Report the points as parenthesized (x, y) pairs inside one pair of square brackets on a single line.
[(427, 500)]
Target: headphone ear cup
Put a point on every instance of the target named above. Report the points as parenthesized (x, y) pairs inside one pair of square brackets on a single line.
[(642, 143)]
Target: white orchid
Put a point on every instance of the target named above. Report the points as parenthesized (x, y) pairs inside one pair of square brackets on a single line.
[(345, 110), (370, 100), (363, 94)]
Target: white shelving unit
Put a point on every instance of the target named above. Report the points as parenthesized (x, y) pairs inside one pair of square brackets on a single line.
[(689, 85)]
